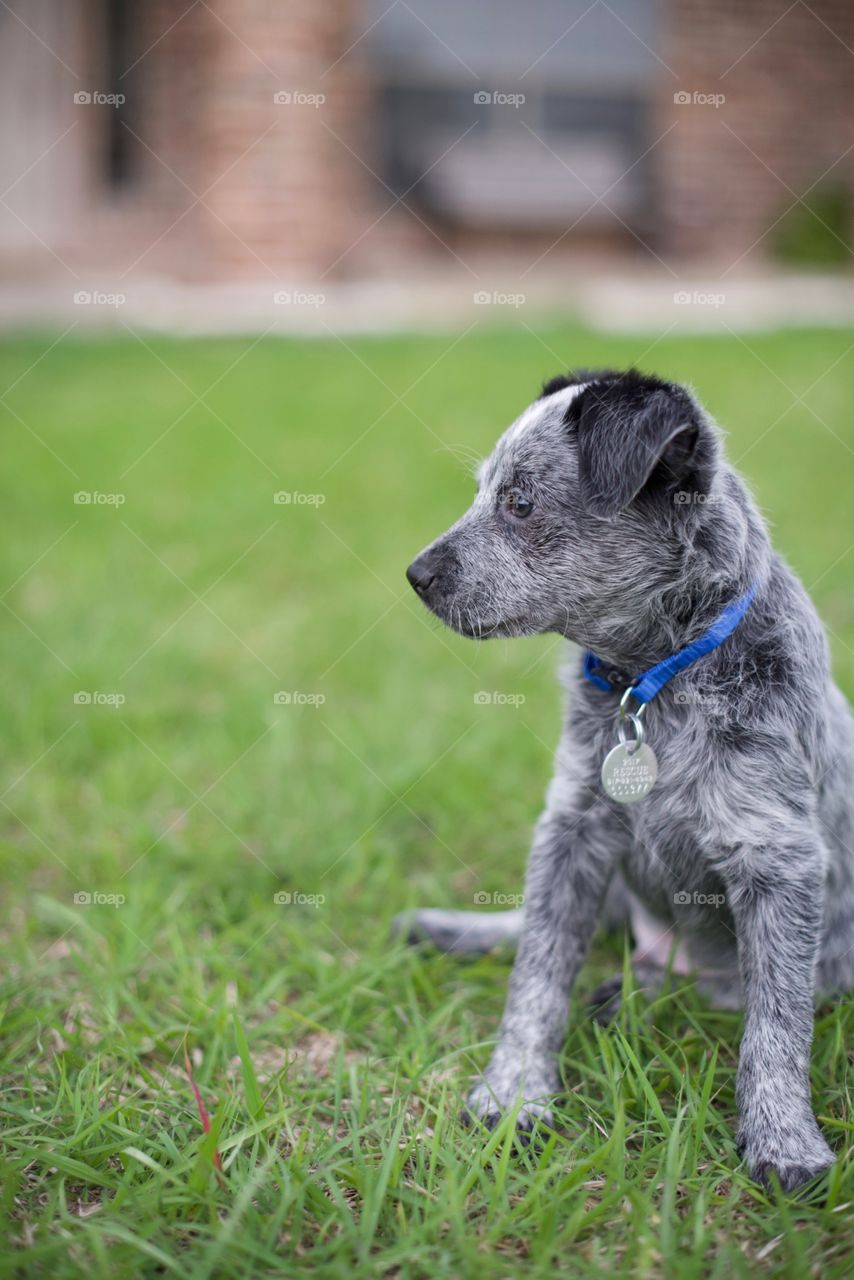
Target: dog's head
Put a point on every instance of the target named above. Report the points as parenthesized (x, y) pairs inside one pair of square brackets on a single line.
[(588, 504)]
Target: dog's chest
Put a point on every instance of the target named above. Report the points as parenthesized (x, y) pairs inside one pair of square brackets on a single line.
[(665, 856), (667, 842)]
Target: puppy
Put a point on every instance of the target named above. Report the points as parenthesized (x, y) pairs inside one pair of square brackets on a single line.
[(724, 817)]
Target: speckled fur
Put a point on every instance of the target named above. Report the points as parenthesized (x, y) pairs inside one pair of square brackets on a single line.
[(640, 534)]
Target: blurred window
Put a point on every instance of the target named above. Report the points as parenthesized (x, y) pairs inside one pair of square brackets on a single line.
[(559, 95)]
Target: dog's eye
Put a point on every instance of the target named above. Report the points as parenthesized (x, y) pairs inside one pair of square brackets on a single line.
[(518, 505)]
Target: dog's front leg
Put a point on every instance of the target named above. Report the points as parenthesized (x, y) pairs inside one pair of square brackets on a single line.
[(778, 914), (571, 862)]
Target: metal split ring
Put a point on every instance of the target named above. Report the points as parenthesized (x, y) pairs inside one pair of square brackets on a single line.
[(634, 718), (637, 724), (624, 705)]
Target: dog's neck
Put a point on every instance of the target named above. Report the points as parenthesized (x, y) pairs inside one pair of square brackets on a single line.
[(642, 630), (673, 620)]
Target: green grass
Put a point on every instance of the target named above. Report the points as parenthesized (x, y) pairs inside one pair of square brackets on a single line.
[(331, 1061)]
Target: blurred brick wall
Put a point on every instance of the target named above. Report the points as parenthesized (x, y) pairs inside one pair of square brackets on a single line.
[(297, 194), (789, 98), (280, 190), (286, 192)]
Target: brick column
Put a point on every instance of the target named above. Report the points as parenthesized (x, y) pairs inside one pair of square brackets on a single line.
[(291, 192), (789, 95)]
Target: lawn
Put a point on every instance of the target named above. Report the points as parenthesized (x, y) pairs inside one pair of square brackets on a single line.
[(236, 746)]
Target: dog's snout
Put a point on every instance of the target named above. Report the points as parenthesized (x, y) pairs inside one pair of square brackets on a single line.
[(422, 572)]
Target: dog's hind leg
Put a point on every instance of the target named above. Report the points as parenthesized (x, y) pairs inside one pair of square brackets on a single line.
[(606, 1000), (722, 990), (657, 954), (460, 932), (655, 946)]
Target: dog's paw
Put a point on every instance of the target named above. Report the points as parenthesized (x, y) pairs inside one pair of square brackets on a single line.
[(494, 1096), (803, 1156), (603, 1004)]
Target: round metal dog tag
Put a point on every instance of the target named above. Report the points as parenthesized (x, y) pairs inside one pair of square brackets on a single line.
[(629, 772)]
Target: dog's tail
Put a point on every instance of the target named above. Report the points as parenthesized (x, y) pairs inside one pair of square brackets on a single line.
[(474, 932), (460, 932)]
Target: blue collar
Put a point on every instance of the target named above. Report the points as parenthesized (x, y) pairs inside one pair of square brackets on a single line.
[(644, 687)]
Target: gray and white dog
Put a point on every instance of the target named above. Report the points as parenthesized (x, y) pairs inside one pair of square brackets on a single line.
[(607, 513)]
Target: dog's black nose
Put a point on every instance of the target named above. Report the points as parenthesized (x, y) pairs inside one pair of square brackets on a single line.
[(421, 572)]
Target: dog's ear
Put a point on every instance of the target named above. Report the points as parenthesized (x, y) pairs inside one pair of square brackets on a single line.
[(633, 433)]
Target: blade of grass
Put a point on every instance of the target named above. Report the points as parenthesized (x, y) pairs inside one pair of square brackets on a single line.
[(203, 1115), (254, 1100)]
